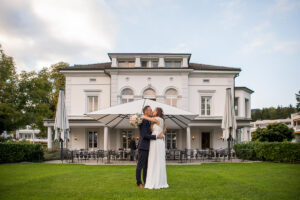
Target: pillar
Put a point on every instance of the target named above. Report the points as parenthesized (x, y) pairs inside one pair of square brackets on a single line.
[(49, 137), (138, 62), (105, 139), (188, 137), (161, 62)]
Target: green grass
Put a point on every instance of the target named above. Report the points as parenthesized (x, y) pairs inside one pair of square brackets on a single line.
[(206, 181)]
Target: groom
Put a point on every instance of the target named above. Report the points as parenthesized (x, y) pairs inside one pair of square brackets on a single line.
[(143, 146)]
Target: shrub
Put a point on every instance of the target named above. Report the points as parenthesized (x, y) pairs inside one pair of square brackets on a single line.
[(17, 152), (269, 151), (273, 133)]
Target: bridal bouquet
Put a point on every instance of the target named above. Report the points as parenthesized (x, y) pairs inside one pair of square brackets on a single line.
[(135, 120)]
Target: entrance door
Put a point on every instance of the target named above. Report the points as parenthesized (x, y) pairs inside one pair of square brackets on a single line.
[(93, 139), (205, 140)]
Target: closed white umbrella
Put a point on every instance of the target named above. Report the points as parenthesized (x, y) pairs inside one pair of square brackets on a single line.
[(118, 116), (229, 121), (61, 125)]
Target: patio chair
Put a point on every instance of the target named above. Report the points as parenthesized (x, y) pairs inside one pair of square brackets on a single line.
[(176, 154)]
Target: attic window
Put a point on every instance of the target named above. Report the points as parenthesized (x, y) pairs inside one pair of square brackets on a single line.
[(92, 80), (205, 80)]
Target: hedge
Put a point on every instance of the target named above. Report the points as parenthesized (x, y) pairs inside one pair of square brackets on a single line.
[(17, 152), (269, 151)]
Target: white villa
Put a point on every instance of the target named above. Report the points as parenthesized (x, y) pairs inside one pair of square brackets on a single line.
[(169, 78)]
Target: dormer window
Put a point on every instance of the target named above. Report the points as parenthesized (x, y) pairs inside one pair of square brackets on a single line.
[(126, 63), (173, 64), (144, 64), (154, 64)]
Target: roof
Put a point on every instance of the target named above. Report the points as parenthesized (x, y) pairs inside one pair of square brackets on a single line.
[(107, 65), (197, 66), (244, 88)]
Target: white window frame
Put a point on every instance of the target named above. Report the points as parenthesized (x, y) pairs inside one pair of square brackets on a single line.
[(172, 97), (127, 97), (89, 93), (207, 93)]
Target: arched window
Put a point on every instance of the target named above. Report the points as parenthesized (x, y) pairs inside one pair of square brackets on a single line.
[(127, 95), (149, 94), (171, 97)]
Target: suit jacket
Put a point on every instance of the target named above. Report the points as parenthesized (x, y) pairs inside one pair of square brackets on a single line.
[(145, 135), (132, 145)]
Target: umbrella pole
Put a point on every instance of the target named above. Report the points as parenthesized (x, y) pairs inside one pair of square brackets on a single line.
[(61, 150), (229, 140)]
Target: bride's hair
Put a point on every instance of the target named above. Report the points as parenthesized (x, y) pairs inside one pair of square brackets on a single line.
[(160, 113)]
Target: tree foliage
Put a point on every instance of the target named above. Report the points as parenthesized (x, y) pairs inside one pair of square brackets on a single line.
[(273, 113), (11, 115), (298, 101), (29, 97), (273, 133)]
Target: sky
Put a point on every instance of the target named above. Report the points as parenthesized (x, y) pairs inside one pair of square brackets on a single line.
[(262, 37)]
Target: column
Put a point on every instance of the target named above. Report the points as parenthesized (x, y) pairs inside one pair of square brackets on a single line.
[(161, 62), (105, 138), (138, 62), (114, 62), (49, 137), (188, 137), (185, 62)]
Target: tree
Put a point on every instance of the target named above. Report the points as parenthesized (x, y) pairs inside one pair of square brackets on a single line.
[(273, 113), (58, 82), (35, 95), (273, 133), (11, 116), (298, 101)]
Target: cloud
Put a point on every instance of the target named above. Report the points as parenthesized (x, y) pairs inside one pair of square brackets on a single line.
[(283, 6), (39, 33), (261, 39)]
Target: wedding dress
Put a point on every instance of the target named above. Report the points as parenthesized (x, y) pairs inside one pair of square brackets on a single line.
[(156, 171)]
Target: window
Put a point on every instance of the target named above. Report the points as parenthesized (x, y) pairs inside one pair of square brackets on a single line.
[(144, 63), (246, 107), (236, 106), (173, 64), (93, 139), (171, 139), (126, 64), (92, 103), (92, 80), (127, 95), (171, 97), (154, 64), (149, 94), (205, 80), (126, 136), (206, 105)]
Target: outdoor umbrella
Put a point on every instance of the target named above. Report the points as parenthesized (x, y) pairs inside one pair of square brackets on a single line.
[(118, 116), (229, 122), (61, 125)]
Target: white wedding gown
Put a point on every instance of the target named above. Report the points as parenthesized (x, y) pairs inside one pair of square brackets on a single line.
[(156, 171)]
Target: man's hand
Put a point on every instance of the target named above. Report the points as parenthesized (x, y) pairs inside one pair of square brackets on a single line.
[(160, 136)]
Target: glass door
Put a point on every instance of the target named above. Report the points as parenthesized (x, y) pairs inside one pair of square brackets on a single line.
[(93, 139)]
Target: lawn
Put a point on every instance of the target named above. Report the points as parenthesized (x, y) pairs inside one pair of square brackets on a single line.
[(206, 181)]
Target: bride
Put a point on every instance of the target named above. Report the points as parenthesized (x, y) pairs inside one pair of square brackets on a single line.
[(156, 170)]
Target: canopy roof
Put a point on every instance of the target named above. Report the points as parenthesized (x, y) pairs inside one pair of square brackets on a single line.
[(118, 116)]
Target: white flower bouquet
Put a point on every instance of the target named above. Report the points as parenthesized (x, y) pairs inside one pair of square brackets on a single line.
[(135, 120)]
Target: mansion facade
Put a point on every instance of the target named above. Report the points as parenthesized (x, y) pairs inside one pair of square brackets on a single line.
[(169, 78)]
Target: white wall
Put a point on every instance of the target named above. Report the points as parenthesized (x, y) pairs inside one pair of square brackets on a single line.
[(242, 95), (215, 88), (79, 85)]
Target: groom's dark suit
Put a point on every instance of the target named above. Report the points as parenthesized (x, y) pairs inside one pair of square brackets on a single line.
[(143, 149)]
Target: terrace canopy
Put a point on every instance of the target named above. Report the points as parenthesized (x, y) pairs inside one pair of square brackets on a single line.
[(118, 116)]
